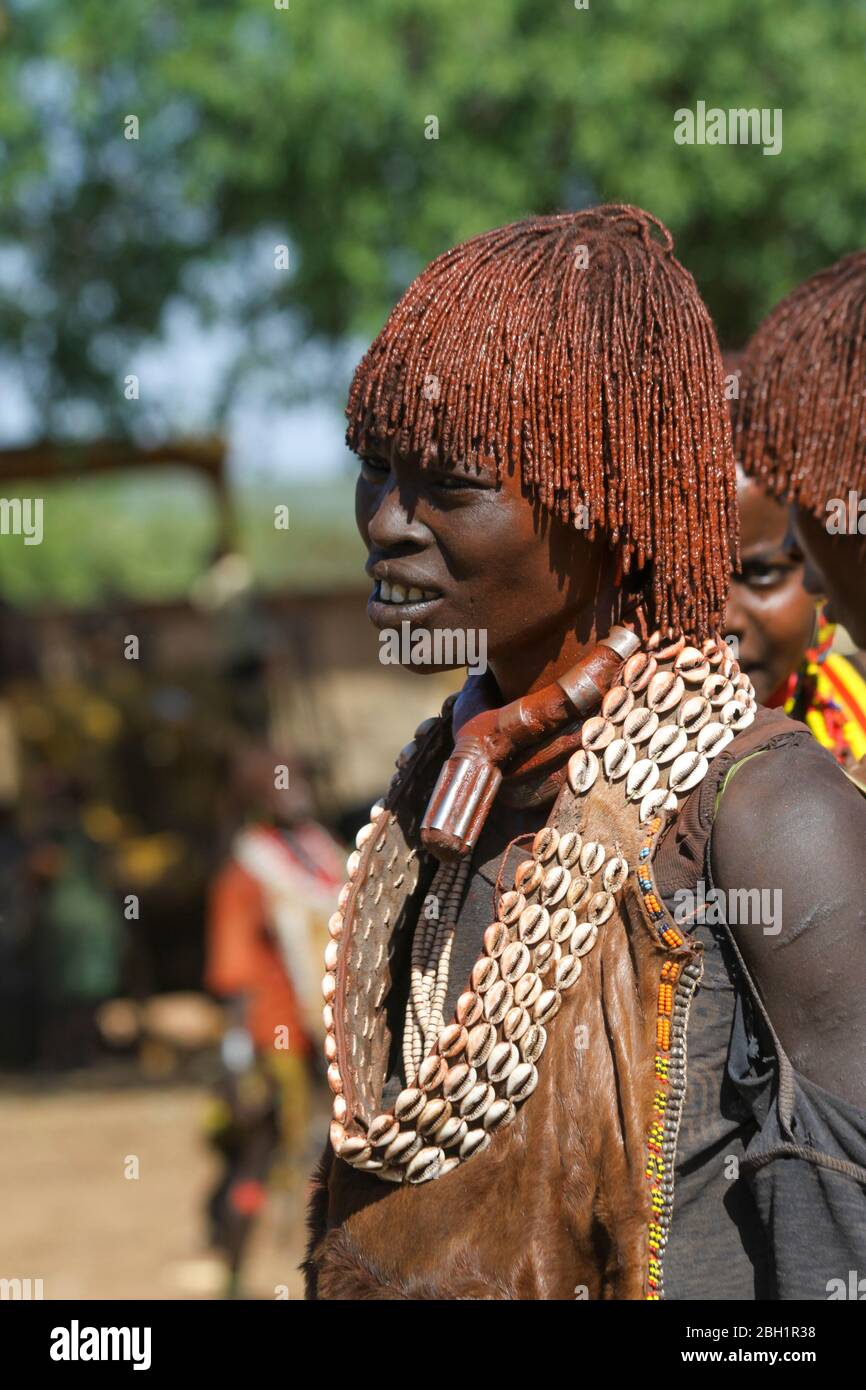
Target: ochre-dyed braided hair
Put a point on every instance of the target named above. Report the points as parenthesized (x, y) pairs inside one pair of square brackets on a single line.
[(576, 348), (801, 425)]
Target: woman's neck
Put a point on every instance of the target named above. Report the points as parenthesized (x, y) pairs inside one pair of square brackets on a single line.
[(536, 664)]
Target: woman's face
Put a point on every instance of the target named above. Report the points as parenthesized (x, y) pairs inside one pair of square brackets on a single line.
[(457, 550), (836, 567), (769, 611)]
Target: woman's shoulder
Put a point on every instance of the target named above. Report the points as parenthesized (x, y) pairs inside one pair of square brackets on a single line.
[(790, 829)]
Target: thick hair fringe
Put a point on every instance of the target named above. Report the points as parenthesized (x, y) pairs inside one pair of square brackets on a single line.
[(801, 425)]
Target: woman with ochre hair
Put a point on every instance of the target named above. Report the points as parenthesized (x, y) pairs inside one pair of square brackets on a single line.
[(555, 1074), (784, 642), (801, 428)]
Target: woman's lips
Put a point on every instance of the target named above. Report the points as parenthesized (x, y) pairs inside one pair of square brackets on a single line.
[(391, 603)]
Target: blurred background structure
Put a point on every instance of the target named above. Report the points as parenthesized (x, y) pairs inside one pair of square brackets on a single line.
[(206, 211)]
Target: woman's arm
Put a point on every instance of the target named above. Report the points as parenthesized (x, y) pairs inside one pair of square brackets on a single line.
[(791, 826)]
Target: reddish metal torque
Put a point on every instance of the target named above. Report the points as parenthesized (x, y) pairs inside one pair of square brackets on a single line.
[(485, 741)]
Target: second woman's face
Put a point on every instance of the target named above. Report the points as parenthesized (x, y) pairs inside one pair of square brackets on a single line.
[(769, 611), (456, 549)]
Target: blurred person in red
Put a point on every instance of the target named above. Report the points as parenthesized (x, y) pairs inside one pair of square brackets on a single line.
[(267, 922)]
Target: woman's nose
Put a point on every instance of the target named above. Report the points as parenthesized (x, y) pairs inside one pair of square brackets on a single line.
[(394, 521)]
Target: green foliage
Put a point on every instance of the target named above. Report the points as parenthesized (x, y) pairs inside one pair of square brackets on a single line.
[(309, 123)]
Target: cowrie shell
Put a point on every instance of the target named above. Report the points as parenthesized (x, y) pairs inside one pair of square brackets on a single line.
[(618, 758), (599, 908), (376, 809), (495, 939), (591, 858), (741, 720), (432, 1072), (332, 955), (435, 1113), (533, 1042), (528, 875), (343, 896), (328, 1017), (717, 690), (409, 1103), (534, 924), (425, 1165), (582, 771), (563, 923), (555, 885), (451, 1132), (511, 905), (596, 733), (694, 713), (364, 834), (476, 1101), (480, 1043), (640, 725), (352, 1147), (458, 1081), (469, 1008), (522, 1082), (369, 1165), (340, 1109), (515, 961), (732, 711), (652, 805), (502, 1061), (713, 738), (352, 863), (544, 956), (335, 925), (583, 938), (515, 1023), (665, 648), (617, 703), (568, 851), (383, 1131), (577, 891), (501, 1113), (498, 1000), (485, 972), (641, 779), (639, 671), (447, 1167), (665, 690), (527, 989), (567, 971), (452, 1040), (545, 843), (474, 1142), (402, 1147), (687, 770), (615, 873), (692, 665), (667, 743), (329, 986), (330, 1047)]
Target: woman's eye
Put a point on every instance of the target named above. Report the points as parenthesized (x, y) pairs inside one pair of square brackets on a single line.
[(375, 468), (763, 576)]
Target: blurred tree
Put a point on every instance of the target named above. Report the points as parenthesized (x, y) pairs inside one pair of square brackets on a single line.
[(307, 126)]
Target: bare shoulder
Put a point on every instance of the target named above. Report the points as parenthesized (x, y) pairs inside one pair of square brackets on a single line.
[(791, 829)]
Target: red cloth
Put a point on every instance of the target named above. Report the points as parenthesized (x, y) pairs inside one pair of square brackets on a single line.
[(243, 958)]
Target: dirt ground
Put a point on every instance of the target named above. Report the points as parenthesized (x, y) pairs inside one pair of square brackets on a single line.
[(70, 1216)]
